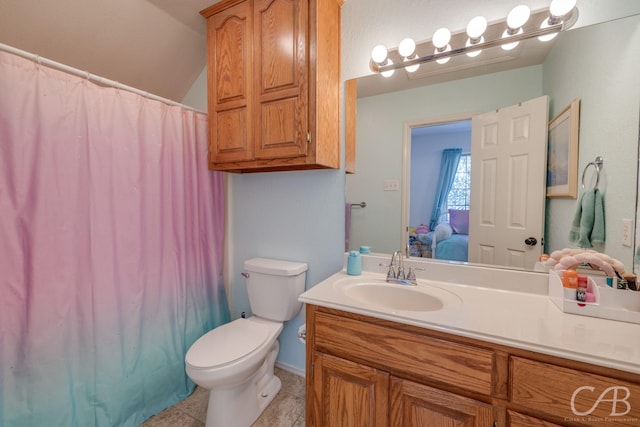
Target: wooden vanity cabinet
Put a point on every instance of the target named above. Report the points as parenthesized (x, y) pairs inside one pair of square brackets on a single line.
[(273, 84), (363, 371)]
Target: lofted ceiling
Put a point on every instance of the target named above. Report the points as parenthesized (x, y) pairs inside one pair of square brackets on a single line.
[(157, 46)]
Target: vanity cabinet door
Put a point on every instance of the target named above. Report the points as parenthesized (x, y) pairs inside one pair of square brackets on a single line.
[(414, 404), (348, 394)]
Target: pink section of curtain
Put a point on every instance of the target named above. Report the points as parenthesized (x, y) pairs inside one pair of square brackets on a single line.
[(111, 243)]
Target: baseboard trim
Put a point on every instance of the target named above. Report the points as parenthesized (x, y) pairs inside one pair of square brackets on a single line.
[(290, 368)]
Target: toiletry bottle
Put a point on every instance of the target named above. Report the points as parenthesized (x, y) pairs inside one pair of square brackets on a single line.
[(581, 292), (632, 282), (354, 263), (570, 284)]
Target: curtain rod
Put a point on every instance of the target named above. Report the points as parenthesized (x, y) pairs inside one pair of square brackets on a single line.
[(91, 77)]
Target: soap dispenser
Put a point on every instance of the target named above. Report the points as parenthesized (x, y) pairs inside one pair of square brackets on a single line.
[(354, 263)]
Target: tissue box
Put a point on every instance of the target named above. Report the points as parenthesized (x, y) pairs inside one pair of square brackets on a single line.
[(610, 303)]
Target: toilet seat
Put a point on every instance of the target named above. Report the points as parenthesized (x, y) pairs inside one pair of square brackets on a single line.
[(226, 344)]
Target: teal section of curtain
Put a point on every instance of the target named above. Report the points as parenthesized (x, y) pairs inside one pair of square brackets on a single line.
[(448, 167), (111, 245)]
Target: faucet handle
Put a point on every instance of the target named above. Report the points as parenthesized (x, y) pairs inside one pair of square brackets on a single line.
[(411, 274), (391, 274)]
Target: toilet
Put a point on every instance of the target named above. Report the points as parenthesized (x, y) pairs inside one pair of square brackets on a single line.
[(235, 361)]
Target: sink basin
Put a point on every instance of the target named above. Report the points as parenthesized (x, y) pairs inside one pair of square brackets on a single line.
[(379, 294)]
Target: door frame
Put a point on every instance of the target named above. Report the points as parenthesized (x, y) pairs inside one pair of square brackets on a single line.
[(406, 163)]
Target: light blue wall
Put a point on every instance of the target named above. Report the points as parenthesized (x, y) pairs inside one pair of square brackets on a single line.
[(426, 156), (297, 216), (581, 65)]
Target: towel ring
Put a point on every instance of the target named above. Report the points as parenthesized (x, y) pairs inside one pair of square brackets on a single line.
[(597, 163)]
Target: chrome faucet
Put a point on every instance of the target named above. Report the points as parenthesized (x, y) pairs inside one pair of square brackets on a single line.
[(398, 276)]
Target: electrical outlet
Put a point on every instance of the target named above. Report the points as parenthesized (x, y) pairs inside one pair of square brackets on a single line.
[(627, 232), (391, 185)]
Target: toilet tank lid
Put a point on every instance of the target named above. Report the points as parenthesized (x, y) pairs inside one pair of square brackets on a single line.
[(275, 266)]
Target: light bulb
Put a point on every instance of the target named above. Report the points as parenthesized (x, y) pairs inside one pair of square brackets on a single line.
[(476, 27), (474, 53), (441, 38), (407, 47), (388, 73), (379, 54), (559, 8), (441, 50), (411, 68), (518, 16), (506, 35), (546, 38)]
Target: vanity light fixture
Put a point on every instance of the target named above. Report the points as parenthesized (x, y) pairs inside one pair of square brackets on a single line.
[(562, 15)]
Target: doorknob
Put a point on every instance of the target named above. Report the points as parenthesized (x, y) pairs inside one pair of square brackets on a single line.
[(531, 241)]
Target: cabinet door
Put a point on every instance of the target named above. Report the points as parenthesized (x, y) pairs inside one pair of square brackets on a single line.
[(281, 82), (413, 404), (230, 78), (348, 394)]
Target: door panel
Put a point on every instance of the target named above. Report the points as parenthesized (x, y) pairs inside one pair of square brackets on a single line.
[(417, 405), (349, 394), (508, 155)]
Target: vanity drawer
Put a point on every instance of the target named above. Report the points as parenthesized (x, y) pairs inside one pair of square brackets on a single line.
[(519, 420), (406, 354), (574, 395)]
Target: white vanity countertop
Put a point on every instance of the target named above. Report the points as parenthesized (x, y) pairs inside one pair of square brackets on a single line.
[(502, 306)]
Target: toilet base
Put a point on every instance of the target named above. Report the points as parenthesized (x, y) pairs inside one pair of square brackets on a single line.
[(242, 404)]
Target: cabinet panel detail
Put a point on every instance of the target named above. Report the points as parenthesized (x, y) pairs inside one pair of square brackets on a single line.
[(417, 405), (348, 393), (231, 52)]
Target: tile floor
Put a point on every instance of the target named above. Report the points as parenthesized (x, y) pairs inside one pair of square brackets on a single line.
[(286, 410)]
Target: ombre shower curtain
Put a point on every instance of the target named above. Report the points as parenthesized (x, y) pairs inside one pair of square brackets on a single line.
[(111, 240)]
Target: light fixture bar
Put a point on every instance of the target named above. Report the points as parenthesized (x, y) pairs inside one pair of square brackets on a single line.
[(551, 29)]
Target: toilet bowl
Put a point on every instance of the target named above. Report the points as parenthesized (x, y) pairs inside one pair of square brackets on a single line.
[(235, 361)]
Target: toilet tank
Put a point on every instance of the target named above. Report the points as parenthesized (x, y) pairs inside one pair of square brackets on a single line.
[(274, 286)]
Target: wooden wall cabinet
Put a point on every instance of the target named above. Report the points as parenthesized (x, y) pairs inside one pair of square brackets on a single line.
[(363, 371), (273, 84)]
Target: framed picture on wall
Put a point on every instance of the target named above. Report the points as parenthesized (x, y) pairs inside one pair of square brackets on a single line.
[(562, 156)]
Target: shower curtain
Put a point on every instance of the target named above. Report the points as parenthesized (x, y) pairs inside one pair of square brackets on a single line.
[(111, 240)]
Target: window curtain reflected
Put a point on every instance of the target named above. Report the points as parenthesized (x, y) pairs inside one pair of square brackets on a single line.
[(448, 167), (111, 241)]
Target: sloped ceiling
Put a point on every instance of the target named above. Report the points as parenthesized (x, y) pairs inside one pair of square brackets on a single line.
[(154, 45)]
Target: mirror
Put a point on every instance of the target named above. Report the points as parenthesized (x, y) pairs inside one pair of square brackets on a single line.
[(596, 63)]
